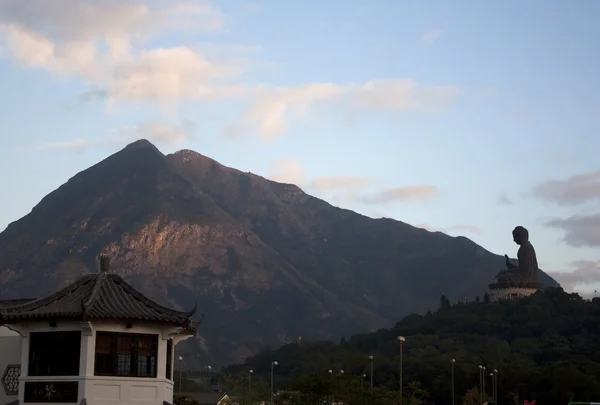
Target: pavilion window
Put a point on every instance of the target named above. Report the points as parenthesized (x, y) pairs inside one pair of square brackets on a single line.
[(54, 353), (169, 370), (126, 354)]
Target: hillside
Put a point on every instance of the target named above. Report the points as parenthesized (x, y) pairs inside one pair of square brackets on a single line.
[(258, 256), (545, 347)]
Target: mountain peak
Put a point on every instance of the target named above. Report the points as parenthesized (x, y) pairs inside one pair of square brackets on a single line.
[(141, 144), (253, 253)]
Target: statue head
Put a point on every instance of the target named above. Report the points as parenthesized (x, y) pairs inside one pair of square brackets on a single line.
[(520, 235)]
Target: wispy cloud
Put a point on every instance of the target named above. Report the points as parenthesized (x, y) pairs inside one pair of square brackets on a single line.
[(431, 36), (155, 132), (581, 273), (273, 110), (503, 199), (451, 229), (406, 193), (579, 230), (363, 190), (574, 190), (107, 45)]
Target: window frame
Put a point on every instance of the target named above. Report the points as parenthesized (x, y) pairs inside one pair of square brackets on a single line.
[(55, 350), (134, 353)]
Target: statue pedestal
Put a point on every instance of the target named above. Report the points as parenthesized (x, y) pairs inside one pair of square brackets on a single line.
[(510, 293)]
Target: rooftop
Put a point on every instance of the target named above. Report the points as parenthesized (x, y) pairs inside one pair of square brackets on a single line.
[(100, 296)]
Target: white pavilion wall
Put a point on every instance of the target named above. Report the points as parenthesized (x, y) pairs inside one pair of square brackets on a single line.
[(102, 390), (10, 359)]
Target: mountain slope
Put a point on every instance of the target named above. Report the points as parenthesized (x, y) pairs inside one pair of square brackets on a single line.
[(265, 261)]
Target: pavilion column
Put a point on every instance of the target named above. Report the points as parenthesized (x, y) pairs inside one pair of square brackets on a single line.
[(24, 365), (88, 349), (161, 361)]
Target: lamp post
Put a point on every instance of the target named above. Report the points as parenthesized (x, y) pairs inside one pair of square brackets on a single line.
[(208, 384), (493, 390), (362, 382), (452, 361), (273, 364), (483, 380), (250, 379), (480, 384), (496, 386), (401, 340), (371, 358), (180, 373)]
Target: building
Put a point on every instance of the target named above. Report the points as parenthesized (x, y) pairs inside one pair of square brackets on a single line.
[(510, 293), (97, 341)]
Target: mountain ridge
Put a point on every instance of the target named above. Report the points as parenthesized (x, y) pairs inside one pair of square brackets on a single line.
[(257, 255)]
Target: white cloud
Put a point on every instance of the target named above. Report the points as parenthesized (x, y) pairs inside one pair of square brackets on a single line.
[(579, 230), (582, 273), (575, 190), (452, 229), (407, 193), (108, 20), (75, 144), (159, 133), (104, 43), (431, 35), (469, 228), (156, 132), (273, 109), (324, 184), (364, 190), (287, 170)]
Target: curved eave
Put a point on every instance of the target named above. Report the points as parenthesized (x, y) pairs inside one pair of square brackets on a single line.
[(191, 313)]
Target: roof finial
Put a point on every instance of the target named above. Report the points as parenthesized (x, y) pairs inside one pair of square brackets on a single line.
[(104, 263)]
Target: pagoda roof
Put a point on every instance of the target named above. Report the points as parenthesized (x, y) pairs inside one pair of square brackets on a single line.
[(100, 296)]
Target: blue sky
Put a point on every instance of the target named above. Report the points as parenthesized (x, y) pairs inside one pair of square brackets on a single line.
[(471, 117)]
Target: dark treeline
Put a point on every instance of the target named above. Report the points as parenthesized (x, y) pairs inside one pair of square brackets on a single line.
[(544, 347)]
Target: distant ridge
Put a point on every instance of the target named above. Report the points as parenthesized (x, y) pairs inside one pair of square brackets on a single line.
[(258, 256)]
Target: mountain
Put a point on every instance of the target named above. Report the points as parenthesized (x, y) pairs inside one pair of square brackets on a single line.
[(265, 262)]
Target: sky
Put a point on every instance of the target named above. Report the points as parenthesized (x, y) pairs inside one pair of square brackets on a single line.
[(465, 117)]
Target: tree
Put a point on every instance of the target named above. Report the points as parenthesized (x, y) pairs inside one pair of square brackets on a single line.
[(416, 395), (444, 302), (544, 347)]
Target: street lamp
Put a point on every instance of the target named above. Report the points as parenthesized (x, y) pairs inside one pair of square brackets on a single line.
[(496, 386), (208, 386), (480, 383), (273, 364), (371, 358), (341, 371), (330, 371), (250, 379), (400, 339), (180, 373), (492, 380), (483, 379), (363, 377), (452, 361)]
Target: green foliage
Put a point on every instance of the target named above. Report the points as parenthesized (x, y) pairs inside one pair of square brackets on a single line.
[(544, 347)]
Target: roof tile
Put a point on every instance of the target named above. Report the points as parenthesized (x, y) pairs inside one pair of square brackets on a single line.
[(96, 296)]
